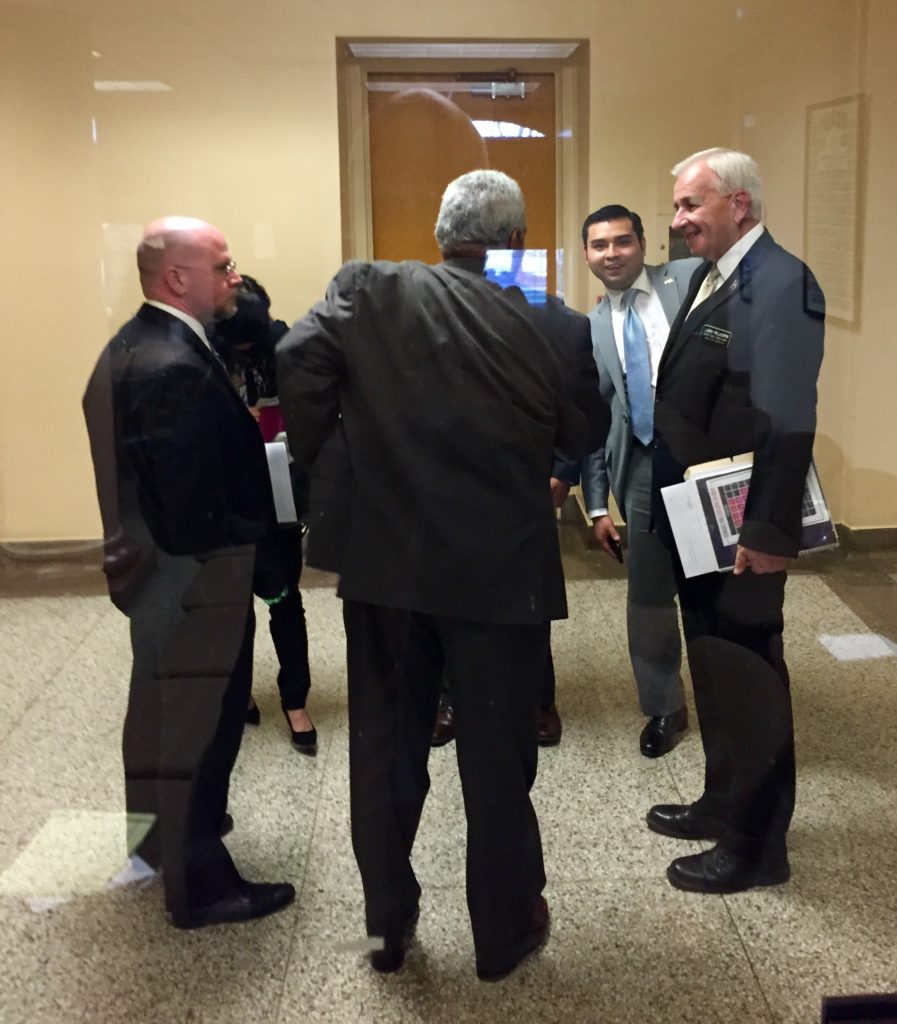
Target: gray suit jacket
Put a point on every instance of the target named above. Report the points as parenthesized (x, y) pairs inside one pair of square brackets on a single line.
[(606, 469)]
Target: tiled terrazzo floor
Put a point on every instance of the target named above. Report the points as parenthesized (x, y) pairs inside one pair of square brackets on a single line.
[(625, 947)]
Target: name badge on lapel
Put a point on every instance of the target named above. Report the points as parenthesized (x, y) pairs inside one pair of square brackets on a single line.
[(716, 335)]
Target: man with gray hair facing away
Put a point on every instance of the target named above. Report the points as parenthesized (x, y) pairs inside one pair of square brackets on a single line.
[(449, 404)]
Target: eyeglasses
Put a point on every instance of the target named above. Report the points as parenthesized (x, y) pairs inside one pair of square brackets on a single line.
[(225, 269)]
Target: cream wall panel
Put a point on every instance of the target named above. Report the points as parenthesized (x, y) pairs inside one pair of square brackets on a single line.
[(249, 139)]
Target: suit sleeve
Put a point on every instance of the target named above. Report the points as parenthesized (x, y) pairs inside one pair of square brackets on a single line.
[(571, 337), (128, 549), (584, 385), (595, 487), (311, 366), (785, 361)]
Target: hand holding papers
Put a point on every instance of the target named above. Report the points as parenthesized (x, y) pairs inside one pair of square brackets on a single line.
[(706, 512)]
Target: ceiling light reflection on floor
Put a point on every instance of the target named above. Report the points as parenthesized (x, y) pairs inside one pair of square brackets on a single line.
[(858, 646)]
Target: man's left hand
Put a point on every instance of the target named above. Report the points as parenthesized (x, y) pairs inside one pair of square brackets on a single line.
[(758, 561), (559, 491)]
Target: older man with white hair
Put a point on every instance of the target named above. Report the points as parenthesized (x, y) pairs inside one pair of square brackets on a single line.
[(184, 494), (738, 374)]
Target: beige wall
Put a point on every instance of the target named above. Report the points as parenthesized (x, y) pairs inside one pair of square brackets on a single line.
[(249, 140)]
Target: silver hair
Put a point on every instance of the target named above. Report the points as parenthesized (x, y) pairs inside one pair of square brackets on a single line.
[(733, 169), (480, 206)]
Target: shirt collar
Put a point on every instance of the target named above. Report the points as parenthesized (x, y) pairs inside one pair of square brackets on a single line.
[(641, 284), (730, 260), (190, 321)]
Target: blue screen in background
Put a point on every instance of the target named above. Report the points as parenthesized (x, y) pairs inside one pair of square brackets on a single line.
[(525, 268)]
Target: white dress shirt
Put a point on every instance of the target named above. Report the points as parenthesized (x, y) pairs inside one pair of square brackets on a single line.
[(650, 310), (729, 261), (190, 321)]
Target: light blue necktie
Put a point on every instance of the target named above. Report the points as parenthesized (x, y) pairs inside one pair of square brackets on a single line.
[(638, 371)]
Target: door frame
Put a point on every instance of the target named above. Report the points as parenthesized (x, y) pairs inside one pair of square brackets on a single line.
[(571, 75)]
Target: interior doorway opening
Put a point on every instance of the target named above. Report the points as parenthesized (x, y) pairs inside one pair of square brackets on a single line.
[(413, 116)]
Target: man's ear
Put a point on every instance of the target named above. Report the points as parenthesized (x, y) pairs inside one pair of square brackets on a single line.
[(742, 200), (517, 239), (174, 280)]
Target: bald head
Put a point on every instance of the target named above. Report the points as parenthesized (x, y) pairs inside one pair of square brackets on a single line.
[(185, 263)]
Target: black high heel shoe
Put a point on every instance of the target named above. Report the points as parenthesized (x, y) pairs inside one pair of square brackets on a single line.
[(253, 715), (305, 742)]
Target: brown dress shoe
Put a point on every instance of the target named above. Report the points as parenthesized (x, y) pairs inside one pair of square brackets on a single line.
[(391, 957), (549, 725), (534, 940), (444, 730)]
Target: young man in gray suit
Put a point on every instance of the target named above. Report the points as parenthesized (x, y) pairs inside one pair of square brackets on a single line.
[(640, 304)]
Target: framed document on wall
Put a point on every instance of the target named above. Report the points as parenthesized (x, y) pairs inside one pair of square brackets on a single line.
[(832, 203)]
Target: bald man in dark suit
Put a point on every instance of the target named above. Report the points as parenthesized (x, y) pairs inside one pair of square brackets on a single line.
[(184, 494)]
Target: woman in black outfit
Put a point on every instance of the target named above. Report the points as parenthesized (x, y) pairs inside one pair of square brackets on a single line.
[(246, 343)]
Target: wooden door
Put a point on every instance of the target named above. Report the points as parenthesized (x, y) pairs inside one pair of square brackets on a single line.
[(425, 130)]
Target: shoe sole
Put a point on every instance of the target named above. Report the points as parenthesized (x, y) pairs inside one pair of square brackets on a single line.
[(549, 742), (759, 881)]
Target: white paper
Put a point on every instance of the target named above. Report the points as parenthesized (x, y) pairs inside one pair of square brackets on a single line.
[(686, 515), (279, 468)]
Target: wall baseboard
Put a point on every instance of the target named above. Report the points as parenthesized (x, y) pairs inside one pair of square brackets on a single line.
[(85, 551), (91, 551), (872, 539)]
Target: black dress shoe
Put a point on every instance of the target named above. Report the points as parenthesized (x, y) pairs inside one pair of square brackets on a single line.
[(536, 939), (549, 726), (253, 715), (662, 733), (444, 730), (392, 956), (719, 871), (227, 825), (682, 821), (245, 902), (306, 742)]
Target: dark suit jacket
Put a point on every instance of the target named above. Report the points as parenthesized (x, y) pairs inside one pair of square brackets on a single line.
[(739, 375), (179, 461), (449, 404), (570, 335)]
